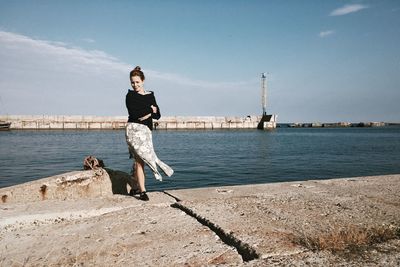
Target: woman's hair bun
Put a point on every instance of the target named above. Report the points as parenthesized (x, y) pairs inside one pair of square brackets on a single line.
[(137, 72)]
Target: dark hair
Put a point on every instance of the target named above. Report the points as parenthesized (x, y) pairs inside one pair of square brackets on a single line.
[(136, 72)]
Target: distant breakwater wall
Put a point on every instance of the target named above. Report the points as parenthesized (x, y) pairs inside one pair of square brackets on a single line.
[(336, 124), (47, 122)]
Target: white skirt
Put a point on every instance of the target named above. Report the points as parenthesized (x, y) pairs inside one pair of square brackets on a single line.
[(140, 144)]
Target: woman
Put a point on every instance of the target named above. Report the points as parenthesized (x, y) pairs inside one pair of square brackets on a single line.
[(142, 108)]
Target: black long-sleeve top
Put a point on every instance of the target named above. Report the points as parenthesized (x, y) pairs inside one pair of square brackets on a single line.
[(140, 105)]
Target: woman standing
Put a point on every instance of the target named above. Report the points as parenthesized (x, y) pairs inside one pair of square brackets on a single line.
[(142, 108)]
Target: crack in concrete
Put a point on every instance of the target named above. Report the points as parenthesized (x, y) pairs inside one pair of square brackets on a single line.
[(174, 197), (247, 252)]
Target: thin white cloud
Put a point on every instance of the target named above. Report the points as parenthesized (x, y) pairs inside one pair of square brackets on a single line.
[(347, 9), (57, 78), (176, 78), (96, 58), (324, 34), (20, 43)]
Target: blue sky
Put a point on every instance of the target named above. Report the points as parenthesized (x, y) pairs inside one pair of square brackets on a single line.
[(327, 60)]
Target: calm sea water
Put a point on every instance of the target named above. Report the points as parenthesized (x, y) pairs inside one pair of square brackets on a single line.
[(210, 157)]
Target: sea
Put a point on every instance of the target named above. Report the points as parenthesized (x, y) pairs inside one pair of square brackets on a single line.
[(204, 158)]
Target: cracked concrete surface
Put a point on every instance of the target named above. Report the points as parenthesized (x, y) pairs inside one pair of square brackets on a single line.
[(252, 225), (119, 231), (269, 217)]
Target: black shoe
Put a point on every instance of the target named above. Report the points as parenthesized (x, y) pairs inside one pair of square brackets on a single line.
[(133, 192), (143, 196)]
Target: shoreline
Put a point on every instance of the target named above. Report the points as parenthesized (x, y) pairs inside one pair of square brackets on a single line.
[(85, 217)]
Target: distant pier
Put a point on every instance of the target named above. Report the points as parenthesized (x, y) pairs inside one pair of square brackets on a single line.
[(46, 122), (334, 124)]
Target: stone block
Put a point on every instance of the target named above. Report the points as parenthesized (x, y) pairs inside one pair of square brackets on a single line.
[(181, 125), (173, 125), (16, 125), (106, 125), (217, 125), (208, 125), (56, 125), (29, 124), (118, 125), (93, 125), (199, 125), (70, 125), (72, 185), (43, 125), (225, 125)]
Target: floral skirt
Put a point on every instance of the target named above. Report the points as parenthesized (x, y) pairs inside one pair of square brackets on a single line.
[(140, 144)]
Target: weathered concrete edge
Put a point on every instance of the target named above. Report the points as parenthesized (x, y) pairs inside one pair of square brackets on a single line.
[(219, 191), (65, 186)]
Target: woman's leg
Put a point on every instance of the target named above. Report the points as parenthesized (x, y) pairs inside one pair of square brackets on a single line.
[(134, 183), (139, 173)]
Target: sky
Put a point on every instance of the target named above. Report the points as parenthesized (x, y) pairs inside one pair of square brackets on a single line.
[(327, 61)]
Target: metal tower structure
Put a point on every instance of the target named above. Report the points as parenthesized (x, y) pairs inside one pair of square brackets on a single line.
[(264, 92), (267, 121)]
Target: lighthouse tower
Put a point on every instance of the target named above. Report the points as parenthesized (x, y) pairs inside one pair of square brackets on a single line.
[(264, 92), (267, 121)]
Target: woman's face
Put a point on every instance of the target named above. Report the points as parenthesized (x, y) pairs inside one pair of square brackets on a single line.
[(137, 84)]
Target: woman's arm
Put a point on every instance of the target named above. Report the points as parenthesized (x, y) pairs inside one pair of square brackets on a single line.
[(156, 114)]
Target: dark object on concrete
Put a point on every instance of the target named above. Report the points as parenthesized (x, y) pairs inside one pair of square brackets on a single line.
[(91, 163)]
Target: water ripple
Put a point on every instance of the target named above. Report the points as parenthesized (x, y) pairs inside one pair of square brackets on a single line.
[(210, 158)]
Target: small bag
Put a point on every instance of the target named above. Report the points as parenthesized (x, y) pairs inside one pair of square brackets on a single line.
[(91, 163)]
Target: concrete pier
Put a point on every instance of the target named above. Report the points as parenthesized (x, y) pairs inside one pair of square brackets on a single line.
[(339, 222), (119, 122)]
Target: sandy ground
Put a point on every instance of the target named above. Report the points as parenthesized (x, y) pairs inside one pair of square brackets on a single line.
[(254, 225), (120, 231)]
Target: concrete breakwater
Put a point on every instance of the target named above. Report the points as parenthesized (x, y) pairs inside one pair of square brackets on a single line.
[(60, 122), (46, 122), (335, 124), (87, 218)]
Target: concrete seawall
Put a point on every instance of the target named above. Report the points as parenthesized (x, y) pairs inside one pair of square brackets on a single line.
[(45, 122), (86, 218)]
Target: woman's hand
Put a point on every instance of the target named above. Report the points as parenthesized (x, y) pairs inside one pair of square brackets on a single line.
[(145, 117), (154, 108)]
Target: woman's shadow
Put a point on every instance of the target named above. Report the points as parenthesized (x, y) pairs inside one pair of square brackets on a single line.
[(120, 181)]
